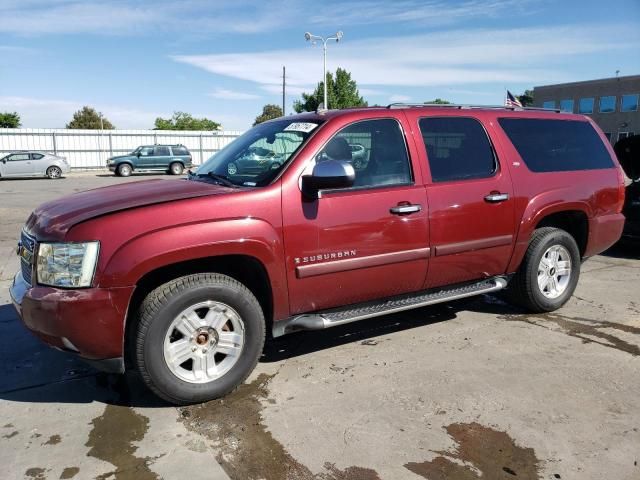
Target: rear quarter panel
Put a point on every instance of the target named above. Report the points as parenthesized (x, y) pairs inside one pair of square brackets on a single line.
[(539, 194)]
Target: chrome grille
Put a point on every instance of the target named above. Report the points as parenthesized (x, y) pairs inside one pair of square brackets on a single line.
[(29, 243)]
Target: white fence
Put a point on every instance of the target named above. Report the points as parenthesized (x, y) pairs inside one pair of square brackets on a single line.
[(88, 149)]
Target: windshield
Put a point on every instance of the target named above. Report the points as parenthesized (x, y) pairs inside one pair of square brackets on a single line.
[(256, 157)]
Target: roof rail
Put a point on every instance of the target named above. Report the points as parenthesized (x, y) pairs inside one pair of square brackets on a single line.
[(463, 107)]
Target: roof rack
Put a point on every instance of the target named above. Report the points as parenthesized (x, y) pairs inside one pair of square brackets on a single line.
[(464, 107)]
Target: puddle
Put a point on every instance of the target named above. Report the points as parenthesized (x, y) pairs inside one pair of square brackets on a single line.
[(481, 453), (36, 473), (69, 472), (53, 440), (245, 449), (587, 330), (111, 439)]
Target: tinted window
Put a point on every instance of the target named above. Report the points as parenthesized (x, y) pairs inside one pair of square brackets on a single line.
[(145, 151), (585, 105), (18, 157), (36, 156), (377, 150), (457, 149), (161, 152), (549, 104), (607, 104), (556, 145), (566, 105), (629, 103), (179, 151)]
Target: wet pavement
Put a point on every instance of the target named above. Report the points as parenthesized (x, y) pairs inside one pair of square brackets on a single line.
[(470, 390)]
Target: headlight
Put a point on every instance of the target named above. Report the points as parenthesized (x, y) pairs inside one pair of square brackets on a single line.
[(67, 264)]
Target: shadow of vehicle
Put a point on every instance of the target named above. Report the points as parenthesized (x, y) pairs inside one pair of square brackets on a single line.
[(625, 249), (35, 373)]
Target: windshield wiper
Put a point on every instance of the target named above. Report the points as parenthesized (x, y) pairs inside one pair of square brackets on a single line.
[(221, 179)]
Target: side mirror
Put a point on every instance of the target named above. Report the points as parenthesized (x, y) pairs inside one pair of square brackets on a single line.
[(138, 154), (326, 175)]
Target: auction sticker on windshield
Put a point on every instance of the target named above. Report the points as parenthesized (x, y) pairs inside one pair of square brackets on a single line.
[(304, 127)]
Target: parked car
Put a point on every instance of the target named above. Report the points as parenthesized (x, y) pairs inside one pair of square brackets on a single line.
[(255, 160), (172, 159), (628, 152), (453, 202), (33, 164), (358, 155)]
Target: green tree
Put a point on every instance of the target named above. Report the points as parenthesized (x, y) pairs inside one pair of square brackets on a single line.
[(9, 120), (88, 118), (440, 101), (342, 93), (185, 121), (269, 112), (526, 99)]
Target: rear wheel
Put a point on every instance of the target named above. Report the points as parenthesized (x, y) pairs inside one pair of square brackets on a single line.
[(198, 337), (176, 168), (549, 271), (54, 172), (124, 170)]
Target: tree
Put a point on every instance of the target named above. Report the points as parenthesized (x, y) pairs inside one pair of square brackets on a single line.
[(9, 120), (269, 112), (440, 101), (526, 99), (88, 118), (342, 93), (185, 121)]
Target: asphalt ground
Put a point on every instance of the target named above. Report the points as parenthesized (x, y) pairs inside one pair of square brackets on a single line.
[(474, 389)]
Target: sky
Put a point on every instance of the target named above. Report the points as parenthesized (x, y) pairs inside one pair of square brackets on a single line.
[(137, 60)]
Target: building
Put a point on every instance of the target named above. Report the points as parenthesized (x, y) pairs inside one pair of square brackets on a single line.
[(611, 102)]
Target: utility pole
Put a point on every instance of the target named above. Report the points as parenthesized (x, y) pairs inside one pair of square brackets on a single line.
[(284, 83)]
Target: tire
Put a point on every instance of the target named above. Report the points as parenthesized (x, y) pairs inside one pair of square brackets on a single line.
[(176, 168), (124, 170), (230, 336), (531, 286), (54, 172)]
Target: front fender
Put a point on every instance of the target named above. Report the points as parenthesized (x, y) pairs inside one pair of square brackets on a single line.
[(539, 207), (245, 236)]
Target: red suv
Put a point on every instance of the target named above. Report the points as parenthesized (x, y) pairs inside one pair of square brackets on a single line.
[(181, 279)]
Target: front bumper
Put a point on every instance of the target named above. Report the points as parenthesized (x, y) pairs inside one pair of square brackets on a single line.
[(88, 322)]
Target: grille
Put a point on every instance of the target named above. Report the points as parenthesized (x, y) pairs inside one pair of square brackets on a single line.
[(27, 267)]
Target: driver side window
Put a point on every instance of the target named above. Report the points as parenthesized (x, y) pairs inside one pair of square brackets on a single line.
[(375, 148)]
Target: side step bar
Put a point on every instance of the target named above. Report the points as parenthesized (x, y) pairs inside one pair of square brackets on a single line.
[(352, 313)]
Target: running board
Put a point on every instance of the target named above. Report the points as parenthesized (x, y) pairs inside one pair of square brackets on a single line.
[(353, 313)]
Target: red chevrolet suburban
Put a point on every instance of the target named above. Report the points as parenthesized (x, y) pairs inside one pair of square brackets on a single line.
[(181, 279)]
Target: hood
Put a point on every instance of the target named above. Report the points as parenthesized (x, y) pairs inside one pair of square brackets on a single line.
[(119, 157), (51, 220), (628, 153)]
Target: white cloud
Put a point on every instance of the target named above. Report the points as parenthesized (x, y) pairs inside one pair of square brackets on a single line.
[(225, 94), (399, 98), (456, 57), (53, 113)]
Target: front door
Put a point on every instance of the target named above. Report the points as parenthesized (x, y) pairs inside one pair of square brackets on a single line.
[(365, 242), (470, 201), (18, 165)]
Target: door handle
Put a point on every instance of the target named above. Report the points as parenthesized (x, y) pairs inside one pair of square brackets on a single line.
[(496, 197), (405, 209)]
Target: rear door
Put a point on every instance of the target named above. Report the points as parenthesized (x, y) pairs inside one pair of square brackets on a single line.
[(161, 157), (470, 194), (18, 165)]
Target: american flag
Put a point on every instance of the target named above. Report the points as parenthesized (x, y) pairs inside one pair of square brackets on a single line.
[(511, 101)]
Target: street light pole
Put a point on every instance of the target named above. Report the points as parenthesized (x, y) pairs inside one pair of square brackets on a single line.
[(313, 38)]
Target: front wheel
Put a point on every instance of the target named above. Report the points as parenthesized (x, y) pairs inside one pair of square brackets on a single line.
[(54, 172), (124, 170), (549, 271), (198, 337)]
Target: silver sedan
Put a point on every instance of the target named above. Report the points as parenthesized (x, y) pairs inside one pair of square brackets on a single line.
[(33, 164)]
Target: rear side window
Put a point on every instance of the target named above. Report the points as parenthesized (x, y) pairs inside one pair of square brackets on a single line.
[(36, 156), (457, 148), (161, 151), (179, 151), (556, 145)]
